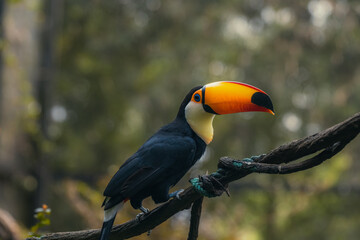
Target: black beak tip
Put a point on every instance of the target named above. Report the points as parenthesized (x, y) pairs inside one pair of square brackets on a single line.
[(262, 100)]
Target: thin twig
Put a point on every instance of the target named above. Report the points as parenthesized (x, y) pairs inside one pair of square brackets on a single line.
[(259, 167), (195, 219)]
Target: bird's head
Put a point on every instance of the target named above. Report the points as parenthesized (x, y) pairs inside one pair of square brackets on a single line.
[(203, 103)]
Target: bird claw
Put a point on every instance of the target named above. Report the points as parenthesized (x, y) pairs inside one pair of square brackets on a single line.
[(138, 217), (247, 160), (253, 158), (143, 212), (176, 194)]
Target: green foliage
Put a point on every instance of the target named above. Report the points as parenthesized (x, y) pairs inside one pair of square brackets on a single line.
[(123, 67), (126, 65), (14, 1), (42, 215)]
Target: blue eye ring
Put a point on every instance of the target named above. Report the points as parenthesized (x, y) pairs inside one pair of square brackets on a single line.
[(197, 97)]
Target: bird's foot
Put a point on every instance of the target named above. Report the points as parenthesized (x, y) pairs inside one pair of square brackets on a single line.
[(138, 217), (176, 194), (143, 212), (253, 158)]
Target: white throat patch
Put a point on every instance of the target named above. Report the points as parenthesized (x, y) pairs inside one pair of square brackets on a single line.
[(200, 121)]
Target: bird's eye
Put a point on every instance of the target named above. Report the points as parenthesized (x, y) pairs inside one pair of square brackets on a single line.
[(197, 97)]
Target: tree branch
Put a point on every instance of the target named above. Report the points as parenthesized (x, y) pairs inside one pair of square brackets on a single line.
[(258, 167), (329, 142), (195, 219)]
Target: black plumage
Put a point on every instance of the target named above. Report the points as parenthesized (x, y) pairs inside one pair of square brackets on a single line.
[(158, 165), (165, 157)]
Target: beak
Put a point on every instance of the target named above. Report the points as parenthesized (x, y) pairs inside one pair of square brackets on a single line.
[(234, 97)]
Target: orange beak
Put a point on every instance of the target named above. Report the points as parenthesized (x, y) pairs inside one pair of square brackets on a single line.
[(234, 97)]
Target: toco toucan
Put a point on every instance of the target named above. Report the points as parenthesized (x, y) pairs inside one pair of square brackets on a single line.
[(166, 156)]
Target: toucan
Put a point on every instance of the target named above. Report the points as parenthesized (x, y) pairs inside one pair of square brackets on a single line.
[(166, 156)]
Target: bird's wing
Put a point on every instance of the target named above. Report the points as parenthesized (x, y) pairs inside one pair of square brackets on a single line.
[(151, 164)]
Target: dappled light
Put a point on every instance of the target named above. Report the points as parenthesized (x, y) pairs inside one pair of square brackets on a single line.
[(83, 84)]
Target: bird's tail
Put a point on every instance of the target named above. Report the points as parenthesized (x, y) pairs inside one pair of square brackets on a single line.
[(109, 218), (106, 229)]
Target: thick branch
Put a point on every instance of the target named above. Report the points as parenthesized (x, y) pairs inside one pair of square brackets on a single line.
[(331, 141)]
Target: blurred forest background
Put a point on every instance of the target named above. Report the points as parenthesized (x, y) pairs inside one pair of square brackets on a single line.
[(84, 83)]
